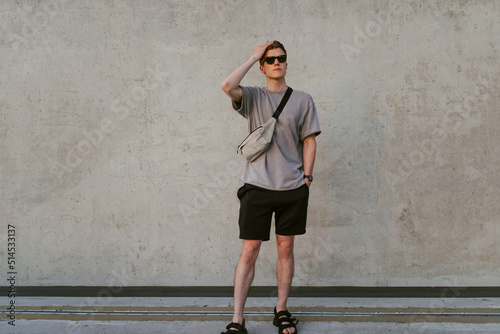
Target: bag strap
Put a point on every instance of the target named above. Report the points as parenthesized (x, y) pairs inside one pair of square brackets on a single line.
[(282, 103)]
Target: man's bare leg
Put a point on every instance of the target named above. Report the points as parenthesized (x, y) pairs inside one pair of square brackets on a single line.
[(244, 275), (284, 271)]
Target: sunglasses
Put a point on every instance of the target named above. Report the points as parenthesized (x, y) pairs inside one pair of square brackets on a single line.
[(270, 60)]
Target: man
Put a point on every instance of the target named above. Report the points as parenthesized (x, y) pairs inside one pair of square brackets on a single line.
[(277, 182)]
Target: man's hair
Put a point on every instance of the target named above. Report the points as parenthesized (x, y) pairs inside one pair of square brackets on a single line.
[(275, 45)]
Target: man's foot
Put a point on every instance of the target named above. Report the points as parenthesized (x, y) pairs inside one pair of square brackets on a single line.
[(235, 328), (285, 322)]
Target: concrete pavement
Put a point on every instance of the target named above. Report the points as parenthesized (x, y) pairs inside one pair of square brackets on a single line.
[(210, 315)]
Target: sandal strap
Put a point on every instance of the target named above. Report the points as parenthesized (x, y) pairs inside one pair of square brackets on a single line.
[(283, 327), (240, 328), (291, 321), (282, 313), (284, 316)]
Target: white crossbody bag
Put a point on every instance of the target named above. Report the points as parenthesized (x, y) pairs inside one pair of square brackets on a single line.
[(257, 142)]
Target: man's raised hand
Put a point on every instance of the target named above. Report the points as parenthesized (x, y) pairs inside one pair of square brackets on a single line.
[(259, 50), (231, 85)]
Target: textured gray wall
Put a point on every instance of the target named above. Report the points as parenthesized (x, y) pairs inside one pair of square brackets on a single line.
[(118, 162)]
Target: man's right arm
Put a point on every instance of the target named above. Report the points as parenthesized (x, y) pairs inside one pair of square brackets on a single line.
[(231, 85)]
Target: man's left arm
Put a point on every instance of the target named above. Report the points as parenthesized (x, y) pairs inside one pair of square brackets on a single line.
[(309, 155)]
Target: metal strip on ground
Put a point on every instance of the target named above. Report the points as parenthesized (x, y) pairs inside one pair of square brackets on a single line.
[(123, 313)]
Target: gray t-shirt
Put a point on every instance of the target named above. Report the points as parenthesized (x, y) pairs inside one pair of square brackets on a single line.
[(281, 166)]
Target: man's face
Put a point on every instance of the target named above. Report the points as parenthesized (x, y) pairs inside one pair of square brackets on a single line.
[(275, 70)]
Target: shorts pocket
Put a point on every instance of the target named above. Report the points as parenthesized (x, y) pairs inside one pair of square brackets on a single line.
[(244, 189)]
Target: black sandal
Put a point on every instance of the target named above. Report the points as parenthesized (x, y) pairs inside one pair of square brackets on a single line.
[(240, 329), (284, 316)]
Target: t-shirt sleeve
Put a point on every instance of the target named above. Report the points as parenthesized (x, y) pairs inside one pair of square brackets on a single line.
[(310, 124), (245, 106)]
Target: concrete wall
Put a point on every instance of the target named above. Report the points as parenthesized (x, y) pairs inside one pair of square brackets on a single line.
[(118, 162)]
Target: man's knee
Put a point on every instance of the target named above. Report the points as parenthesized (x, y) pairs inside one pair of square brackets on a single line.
[(285, 245), (250, 250)]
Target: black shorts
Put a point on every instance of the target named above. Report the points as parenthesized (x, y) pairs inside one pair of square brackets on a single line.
[(257, 206)]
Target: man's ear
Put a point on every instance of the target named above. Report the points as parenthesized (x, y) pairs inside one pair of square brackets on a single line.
[(262, 69)]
